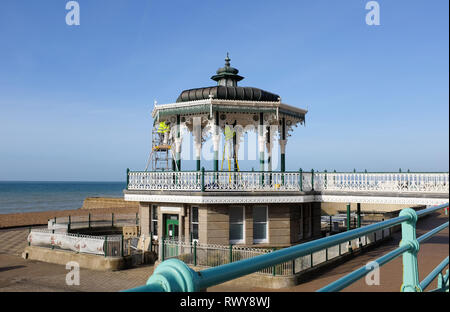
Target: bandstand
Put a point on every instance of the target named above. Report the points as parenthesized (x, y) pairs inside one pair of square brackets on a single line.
[(256, 207)]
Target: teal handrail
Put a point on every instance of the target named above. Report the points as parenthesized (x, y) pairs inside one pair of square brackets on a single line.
[(175, 275)]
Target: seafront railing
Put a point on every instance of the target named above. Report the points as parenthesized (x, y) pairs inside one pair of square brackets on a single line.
[(211, 181), (93, 220), (213, 255), (174, 275), (108, 245)]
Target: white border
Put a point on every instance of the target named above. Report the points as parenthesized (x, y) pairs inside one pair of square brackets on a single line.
[(284, 199)]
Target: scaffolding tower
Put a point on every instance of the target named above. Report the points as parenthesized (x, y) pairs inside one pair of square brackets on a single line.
[(161, 154)]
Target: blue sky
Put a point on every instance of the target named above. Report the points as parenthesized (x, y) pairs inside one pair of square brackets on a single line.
[(75, 101)]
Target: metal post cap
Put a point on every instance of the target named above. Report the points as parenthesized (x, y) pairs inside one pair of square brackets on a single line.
[(174, 275)]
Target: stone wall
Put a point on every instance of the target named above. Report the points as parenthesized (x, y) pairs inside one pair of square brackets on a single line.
[(108, 202)]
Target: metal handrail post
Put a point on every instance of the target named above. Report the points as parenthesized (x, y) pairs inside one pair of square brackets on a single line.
[(411, 281)]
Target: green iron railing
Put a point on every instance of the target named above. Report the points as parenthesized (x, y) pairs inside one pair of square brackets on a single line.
[(174, 275)]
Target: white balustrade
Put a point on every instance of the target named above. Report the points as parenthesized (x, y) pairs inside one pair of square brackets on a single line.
[(289, 181)]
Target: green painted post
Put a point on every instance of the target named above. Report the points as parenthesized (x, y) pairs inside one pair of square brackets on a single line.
[(89, 220), (400, 170), (112, 219), (312, 179), (411, 281), (178, 154), (326, 181), (274, 268), (358, 213), (106, 245), (29, 232), (339, 249), (312, 260), (293, 267), (163, 251), (300, 182), (283, 147), (203, 179), (326, 254), (151, 242), (121, 245), (261, 153), (331, 223), (216, 152), (195, 253), (348, 217), (68, 226), (128, 177), (354, 170), (348, 227)]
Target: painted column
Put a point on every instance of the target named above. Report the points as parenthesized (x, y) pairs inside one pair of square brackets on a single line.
[(216, 141), (197, 132), (235, 152), (237, 143), (178, 143), (269, 153), (261, 142), (283, 142)]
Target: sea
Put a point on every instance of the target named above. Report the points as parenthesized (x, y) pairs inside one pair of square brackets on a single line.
[(17, 197)]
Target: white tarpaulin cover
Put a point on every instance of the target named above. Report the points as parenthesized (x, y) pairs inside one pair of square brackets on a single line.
[(68, 242)]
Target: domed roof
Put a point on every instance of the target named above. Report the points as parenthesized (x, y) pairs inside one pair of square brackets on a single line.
[(228, 93), (227, 89)]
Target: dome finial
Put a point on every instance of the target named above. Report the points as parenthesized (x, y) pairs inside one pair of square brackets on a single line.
[(227, 60)]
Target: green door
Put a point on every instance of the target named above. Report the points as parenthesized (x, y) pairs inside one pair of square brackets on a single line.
[(172, 233), (171, 228)]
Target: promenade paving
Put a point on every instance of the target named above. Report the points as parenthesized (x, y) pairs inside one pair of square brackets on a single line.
[(430, 255), (17, 274)]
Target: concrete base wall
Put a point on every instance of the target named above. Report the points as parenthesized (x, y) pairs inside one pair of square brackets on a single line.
[(271, 282), (87, 261)]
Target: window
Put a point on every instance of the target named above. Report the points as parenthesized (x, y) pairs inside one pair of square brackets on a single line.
[(155, 220), (194, 223), (260, 225), (236, 224)]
